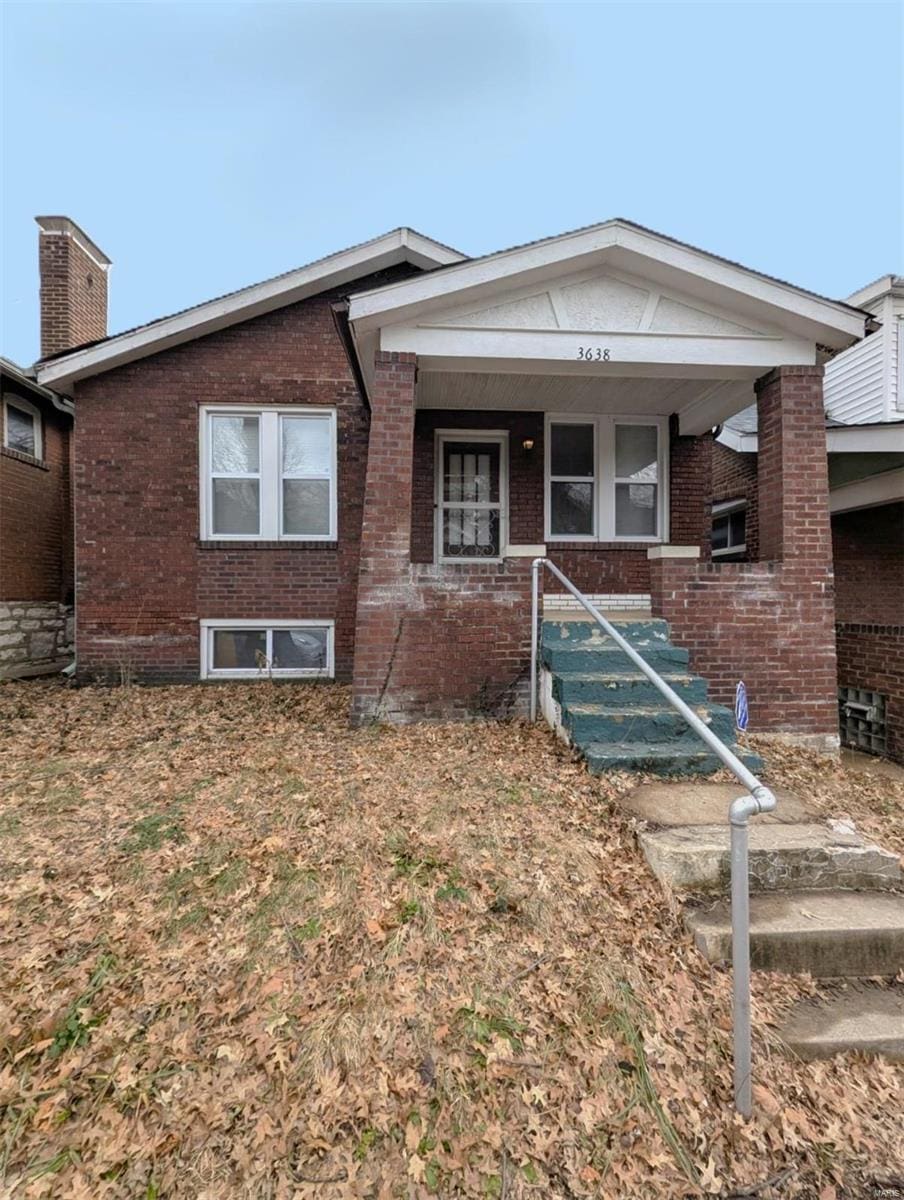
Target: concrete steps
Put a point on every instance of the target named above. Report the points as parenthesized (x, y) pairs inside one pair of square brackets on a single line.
[(824, 901), (670, 758), (627, 688), (600, 703), (806, 856), (861, 1017), (614, 722), (825, 934)]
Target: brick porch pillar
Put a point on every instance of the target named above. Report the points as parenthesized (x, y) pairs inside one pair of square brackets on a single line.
[(793, 487), (386, 529)]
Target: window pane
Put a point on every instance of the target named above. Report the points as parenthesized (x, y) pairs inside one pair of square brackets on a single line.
[(20, 430), (738, 527), (307, 446), (299, 649), (571, 450), (236, 445), (236, 506), (635, 452), (720, 533), (239, 650), (306, 506), (572, 509), (471, 533), (471, 472), (635, 510)]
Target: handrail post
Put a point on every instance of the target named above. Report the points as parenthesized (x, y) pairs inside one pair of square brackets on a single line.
[(759, 800), (534, 632), (740, 966)]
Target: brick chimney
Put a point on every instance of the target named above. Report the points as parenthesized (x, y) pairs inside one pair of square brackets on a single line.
[(73, 275)]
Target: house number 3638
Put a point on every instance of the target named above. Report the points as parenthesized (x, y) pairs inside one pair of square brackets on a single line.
[(593, 354)]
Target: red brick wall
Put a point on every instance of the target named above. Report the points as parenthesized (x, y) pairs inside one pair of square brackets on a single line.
[(613, 567), (770, 623), (869, 581), (36, 517), (144, 578), (690, 479), (73, 294), (525, 473), (792, 470), (735, 478), (868, 547), (449, 640)]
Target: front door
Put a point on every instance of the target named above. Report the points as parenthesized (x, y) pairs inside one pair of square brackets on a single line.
[(471, 500)]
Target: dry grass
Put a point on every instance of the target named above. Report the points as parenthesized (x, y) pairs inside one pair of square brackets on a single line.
[(248, 953)]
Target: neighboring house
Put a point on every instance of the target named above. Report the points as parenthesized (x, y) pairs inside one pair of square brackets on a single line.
[(36, 581), (864, 432), (345, 471)]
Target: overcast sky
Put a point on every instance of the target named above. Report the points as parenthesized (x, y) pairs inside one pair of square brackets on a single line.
[(207, 146)]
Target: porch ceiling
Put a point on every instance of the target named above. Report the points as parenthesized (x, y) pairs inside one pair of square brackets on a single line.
[(700, 403)]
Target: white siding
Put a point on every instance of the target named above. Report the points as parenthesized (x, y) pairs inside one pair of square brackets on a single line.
[(854, 385), (896, 359)]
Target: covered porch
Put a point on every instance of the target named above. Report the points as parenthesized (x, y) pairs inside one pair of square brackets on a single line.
[(559, 399)]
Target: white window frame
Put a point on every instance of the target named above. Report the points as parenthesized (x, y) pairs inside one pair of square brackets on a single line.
[(11, 400), (604, 480), (208, 627), (499, 437), (270, 471), (725, 509)]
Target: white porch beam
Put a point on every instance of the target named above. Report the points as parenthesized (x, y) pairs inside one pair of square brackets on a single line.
[(868, 493), (564, 352)]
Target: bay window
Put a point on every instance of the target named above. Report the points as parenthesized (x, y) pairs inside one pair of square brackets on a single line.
[(605, 479), (268, 474)]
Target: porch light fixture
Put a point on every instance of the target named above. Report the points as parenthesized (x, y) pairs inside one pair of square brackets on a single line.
[(527, 444)]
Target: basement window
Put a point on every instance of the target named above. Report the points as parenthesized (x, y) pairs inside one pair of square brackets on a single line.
[(268, 474), (862, 719), (22, 427), (729, 529), (267, 649)]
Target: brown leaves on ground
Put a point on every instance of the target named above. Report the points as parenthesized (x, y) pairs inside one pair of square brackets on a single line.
[(249, 952)]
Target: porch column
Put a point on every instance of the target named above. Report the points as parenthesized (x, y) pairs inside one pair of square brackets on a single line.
[(385, 530), (690, 490), (793, 487)]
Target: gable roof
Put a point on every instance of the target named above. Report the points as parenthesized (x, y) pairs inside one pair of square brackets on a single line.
[(398, 246), (834, 322), (24, 379)]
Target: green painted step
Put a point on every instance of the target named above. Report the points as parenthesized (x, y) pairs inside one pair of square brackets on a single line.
[(643, 723), (657, 759), (584, 631), (589, 687), (608, 659)]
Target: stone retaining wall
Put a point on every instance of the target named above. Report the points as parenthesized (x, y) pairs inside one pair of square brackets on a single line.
[(34, 637)]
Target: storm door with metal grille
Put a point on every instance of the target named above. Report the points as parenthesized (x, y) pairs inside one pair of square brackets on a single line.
[(471, 499)]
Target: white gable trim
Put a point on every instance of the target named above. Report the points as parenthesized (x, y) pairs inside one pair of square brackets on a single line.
[(621, 245), (401, 245)]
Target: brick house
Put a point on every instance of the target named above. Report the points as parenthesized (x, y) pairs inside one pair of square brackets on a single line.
[(346, 471), (864, 445), (36, 579)]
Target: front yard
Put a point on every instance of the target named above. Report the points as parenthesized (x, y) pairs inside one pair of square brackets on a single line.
[(249, 953)]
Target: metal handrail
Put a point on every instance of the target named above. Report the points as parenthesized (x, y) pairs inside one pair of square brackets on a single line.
[(758, 799)]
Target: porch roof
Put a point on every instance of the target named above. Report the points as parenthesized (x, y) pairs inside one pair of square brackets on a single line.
[(581, 317)]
